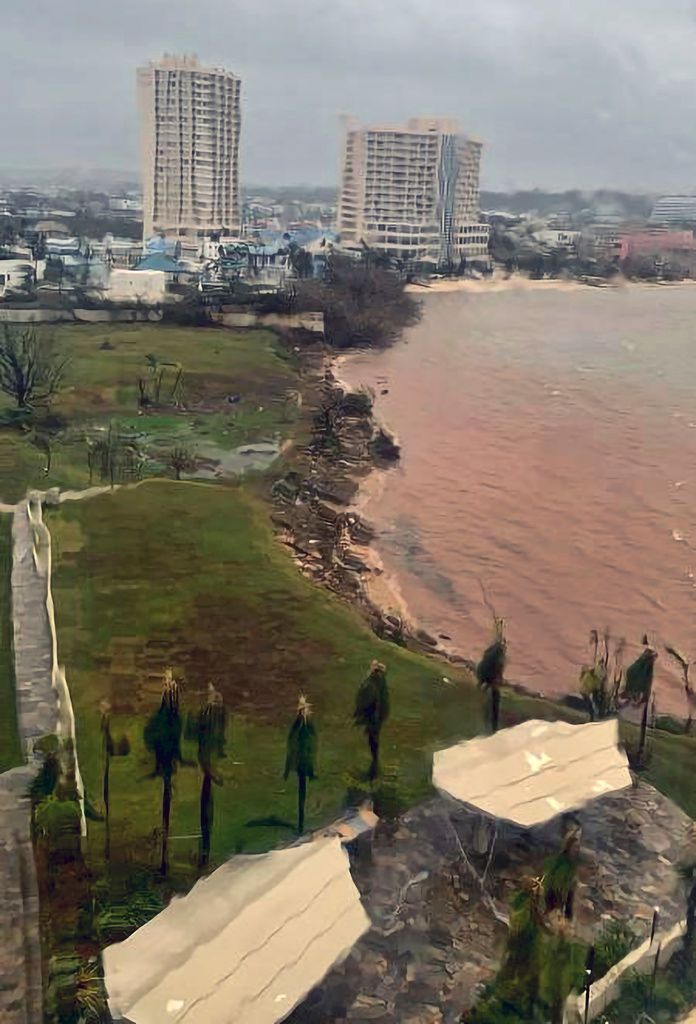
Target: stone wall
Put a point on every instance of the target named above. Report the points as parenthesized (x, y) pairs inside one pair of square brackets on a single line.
[(44, 708), (83, 316), (63, 715), (641, 960), (312, 322)]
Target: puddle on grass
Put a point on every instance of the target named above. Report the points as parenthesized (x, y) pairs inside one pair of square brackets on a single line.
[(216, 462)]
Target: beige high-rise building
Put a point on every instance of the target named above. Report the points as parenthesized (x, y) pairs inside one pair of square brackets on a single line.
[(189, 132), (412, 191)]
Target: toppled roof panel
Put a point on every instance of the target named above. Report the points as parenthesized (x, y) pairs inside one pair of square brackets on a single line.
[(245, 946), (535, 771)]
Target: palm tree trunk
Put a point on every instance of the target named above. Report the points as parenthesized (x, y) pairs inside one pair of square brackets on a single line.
[(373, 741), (690, 921), (301, 800), (643, 732), (495, 708), (105, 792), (206, 818), (166, 809)]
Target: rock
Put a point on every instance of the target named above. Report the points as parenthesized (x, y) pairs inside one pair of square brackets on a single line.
[(425, 638), (367, 1008)]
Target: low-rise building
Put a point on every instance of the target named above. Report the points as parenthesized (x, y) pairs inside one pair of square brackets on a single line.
[(656, 243), (144, 286), (18, 275)]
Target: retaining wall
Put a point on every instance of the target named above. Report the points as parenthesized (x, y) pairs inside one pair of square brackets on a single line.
[(64, 716), (44, 708), (86, 316), (641, 960), (313, 322)]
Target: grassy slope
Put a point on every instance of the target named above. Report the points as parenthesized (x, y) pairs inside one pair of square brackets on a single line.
[(10, 750), (102, 385), (191, 575)]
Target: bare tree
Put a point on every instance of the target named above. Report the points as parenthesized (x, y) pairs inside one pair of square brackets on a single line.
[(180, 460), (31, 367)]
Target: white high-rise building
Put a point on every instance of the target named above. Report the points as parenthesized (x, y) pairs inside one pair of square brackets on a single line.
[(189, 131), (412, 191)]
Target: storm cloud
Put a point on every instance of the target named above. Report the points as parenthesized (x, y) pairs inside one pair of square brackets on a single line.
[(564, 93)]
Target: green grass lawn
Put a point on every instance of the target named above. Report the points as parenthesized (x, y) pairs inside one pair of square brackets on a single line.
[(101, 386), (190, 576), (10, 749)]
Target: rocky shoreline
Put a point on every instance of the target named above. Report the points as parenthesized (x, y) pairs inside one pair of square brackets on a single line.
[(315, 513), (317, 516)]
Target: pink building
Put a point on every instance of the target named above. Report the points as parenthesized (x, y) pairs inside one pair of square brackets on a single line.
[(655, 243)]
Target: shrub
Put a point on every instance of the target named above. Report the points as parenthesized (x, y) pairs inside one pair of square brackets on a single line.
[(58, 823), (613, 943), (637, 997), (75, 991)]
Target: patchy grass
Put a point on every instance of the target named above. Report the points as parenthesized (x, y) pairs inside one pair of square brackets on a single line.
[(101, 385), (190, 575), (10, 748)]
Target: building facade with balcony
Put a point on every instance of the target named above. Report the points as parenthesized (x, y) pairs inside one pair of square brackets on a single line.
[(189, 139), (412, 192)]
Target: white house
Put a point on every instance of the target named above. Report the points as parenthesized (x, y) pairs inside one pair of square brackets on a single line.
[(19, 275), (147, 286)]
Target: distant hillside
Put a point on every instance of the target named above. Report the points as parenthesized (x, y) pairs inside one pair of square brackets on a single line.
[(101, 179), (290, 193)]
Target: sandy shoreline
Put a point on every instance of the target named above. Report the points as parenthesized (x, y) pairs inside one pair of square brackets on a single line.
[(497, 283), (520, 283), (382, 588)]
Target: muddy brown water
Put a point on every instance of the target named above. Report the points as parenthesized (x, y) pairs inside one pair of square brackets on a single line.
[(549, 449)]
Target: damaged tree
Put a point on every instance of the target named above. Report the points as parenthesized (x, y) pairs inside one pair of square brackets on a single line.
[(301, 755)]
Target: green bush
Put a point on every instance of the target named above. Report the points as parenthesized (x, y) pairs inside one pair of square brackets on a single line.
[(75, 991), (612, 944), (637, 997), (118, 920), (58, 824)]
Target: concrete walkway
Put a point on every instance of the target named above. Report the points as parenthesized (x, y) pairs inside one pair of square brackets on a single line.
[(37, 709), (20, 947)]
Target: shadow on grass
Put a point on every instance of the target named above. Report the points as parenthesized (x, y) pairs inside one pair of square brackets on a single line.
[(272, 821)]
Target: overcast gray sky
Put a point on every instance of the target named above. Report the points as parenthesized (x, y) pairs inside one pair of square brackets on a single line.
[(564, 93)]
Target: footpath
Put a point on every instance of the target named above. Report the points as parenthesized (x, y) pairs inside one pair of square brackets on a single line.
[(20, 945)]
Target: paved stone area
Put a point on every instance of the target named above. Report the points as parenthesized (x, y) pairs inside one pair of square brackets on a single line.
[(434, 941)]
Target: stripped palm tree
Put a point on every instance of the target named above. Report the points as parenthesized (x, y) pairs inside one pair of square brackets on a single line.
[(638, 686), (210, 726), (522, 963), (301, 755), (560, 875), (685, 664), (162, 738), (372, 711), (490, 671), (109, 749), (600, 682)]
